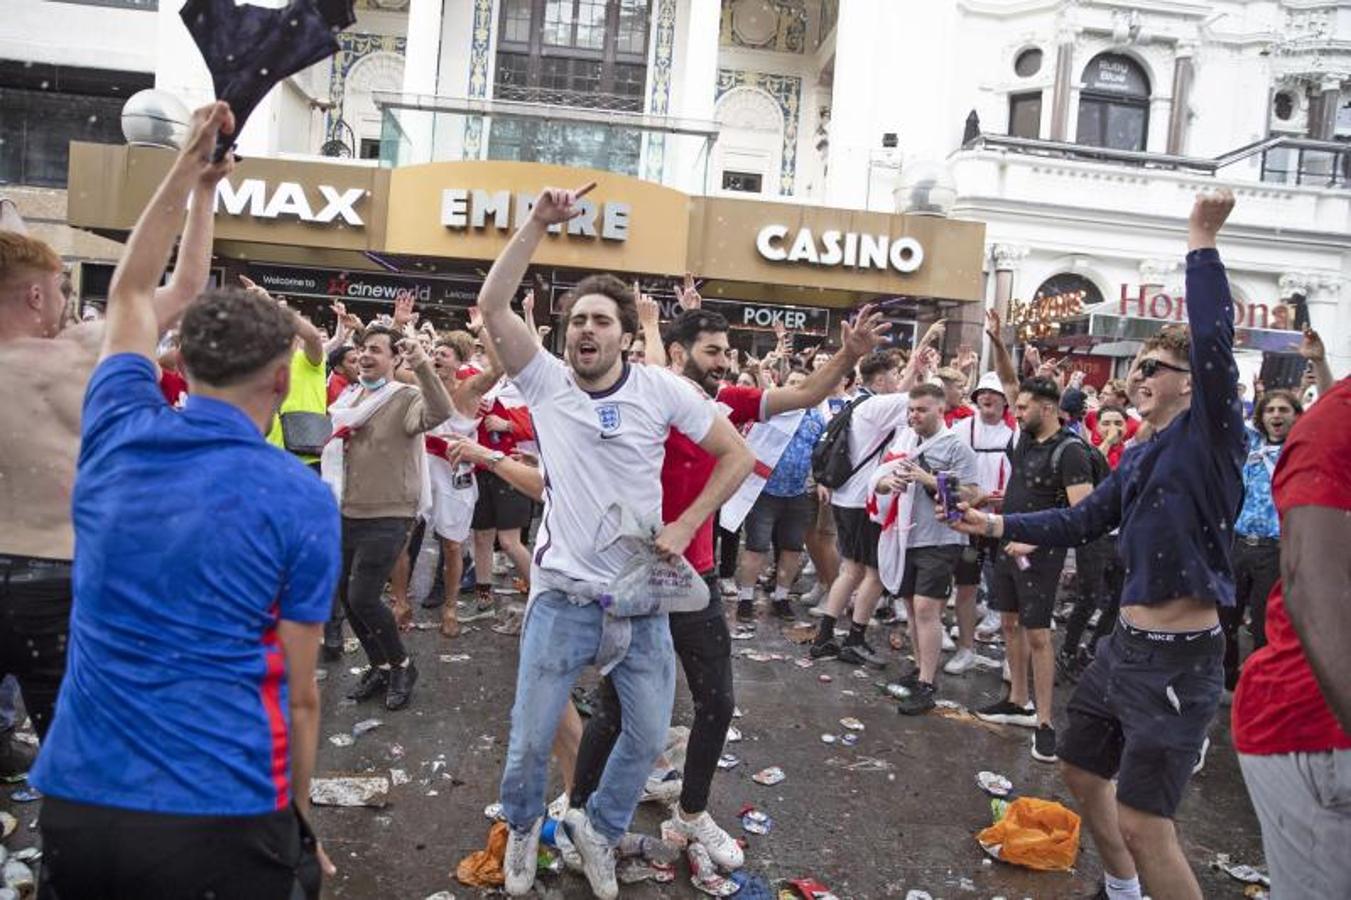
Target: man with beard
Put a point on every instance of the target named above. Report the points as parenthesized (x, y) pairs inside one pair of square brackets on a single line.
[(600, 425), (1257, 531), (1141, 710), (696, 343), (47, 366)]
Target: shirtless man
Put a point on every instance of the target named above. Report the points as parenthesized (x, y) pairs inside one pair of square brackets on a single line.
[(47, 366)]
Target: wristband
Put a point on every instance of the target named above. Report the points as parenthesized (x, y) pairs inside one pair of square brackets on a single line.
[(989, 525)]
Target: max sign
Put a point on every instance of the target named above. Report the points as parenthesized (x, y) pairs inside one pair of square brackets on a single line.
[(289, 198)]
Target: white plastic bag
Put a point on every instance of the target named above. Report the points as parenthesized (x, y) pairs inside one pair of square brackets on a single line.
[(647, 584)]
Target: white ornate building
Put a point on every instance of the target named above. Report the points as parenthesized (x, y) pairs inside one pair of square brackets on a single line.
[(1078, 130)]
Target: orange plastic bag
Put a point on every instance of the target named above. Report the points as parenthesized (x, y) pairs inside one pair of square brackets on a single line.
[(483, 868), (1035, 833)]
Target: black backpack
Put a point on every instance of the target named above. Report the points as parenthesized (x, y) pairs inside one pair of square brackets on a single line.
[(1098, 462), (831, 467)]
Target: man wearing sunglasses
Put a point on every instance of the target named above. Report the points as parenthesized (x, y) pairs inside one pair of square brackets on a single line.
[(1141, 710)]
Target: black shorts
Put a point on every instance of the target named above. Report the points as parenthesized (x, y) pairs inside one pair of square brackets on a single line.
[(974, 557), (500, 506), (929, 570), (99, 851), (35, 602), (1029, 592), (1141, 712), (778, 521), (857, 535)]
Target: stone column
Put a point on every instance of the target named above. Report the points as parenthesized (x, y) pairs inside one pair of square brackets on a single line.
[(1007, 258), (422, 59), (1182, 85), (1063, 93), (1324, 126)]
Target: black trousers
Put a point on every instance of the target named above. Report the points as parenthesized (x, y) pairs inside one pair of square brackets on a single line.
[(705, 649), (102, 853), (729, 542), (35, 598), (1101, 577), (1256, 570), (370, 547)]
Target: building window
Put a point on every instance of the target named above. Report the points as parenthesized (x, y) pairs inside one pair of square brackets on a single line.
[(1028, 63), (370, 148), (1025, 115), (742, 182), (1069, 285), (579, 53), (45, 107), (1114, 104)]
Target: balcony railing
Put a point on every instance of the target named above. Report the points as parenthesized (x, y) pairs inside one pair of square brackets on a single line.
[(1284, 160), (548, 126)]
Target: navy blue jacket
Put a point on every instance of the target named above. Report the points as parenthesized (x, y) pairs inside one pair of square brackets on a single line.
[(1175, 496)]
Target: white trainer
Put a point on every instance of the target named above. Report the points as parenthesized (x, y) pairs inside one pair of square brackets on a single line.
[(962, 662), (598, 856), (522, 859), (662, 787), (949, 645), (559, 806), (990, 629), (724, 850)]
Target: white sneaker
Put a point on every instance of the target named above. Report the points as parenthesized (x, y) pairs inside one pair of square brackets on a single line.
[(727, 586), (500, 563), (598, 857), (559, 806), (724, 850), (949, 645), (522, 859), (816, 595), (962, 661), (662, 787), (818, 610), (1005, 673), (902, 615), (984, 662), (991, 628)]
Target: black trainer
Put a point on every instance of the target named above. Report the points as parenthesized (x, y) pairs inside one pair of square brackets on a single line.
[(330, 652), (745, 610), (828, 649), (400, 690), (909, 679), (1043, 744), (784, 609), (1005, 712), (373, 681), (16, 758), (332, 649), (885, 612), (860, 654), (920, 701)]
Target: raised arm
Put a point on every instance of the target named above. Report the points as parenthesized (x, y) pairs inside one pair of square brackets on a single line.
[(433, 404), (527, 479), (311, 341), (514, 343), (1311, 348), (193, 265), (649, 318), (1210, 318), (1003, 361), (133, 318), (857, 340)]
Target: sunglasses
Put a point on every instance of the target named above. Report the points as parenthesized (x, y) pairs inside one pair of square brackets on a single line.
[(1148, 368)]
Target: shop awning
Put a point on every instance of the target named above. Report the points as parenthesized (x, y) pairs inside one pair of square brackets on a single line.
[(1112, 328)]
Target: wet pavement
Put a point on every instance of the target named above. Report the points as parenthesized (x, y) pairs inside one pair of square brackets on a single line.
[(896, 812)]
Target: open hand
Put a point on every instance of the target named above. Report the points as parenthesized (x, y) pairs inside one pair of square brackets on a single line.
[(649, 310), (994, 327), (554, 206), (934, 334), (866, 334)]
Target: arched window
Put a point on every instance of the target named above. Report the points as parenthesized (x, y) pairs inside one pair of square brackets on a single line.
[(1114, 104), (1068, 284)]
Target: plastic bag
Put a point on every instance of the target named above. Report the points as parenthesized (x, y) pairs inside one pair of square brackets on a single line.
[(647, 584), (1038, 834), (483, 868)]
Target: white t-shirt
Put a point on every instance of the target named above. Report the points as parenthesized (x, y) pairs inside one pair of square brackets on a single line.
[(597, 450), (872, 420), (990, 443)]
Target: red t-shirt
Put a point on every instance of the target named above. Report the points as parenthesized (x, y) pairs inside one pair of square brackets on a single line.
[(1278, 707), (337, 383), (172, 385), (687, 468)]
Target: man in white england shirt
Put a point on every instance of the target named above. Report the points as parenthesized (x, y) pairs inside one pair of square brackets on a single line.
[(601, 426)]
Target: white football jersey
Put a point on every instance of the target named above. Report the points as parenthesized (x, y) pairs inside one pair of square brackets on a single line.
[(600, 449)]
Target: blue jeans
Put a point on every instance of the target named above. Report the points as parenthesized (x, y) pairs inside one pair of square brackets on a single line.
[(558, 640), (9, 699)]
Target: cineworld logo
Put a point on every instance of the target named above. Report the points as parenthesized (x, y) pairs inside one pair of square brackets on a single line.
[(288, 198)]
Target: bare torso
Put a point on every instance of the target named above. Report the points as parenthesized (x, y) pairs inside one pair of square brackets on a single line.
[(44, 383), (1178, 614)]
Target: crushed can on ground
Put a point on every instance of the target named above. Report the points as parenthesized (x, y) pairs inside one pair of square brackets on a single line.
[(769, 777)]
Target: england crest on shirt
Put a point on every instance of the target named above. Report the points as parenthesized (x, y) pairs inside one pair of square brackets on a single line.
[(608, 413)]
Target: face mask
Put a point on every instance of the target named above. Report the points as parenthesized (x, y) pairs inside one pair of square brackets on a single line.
[(373, 385)]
